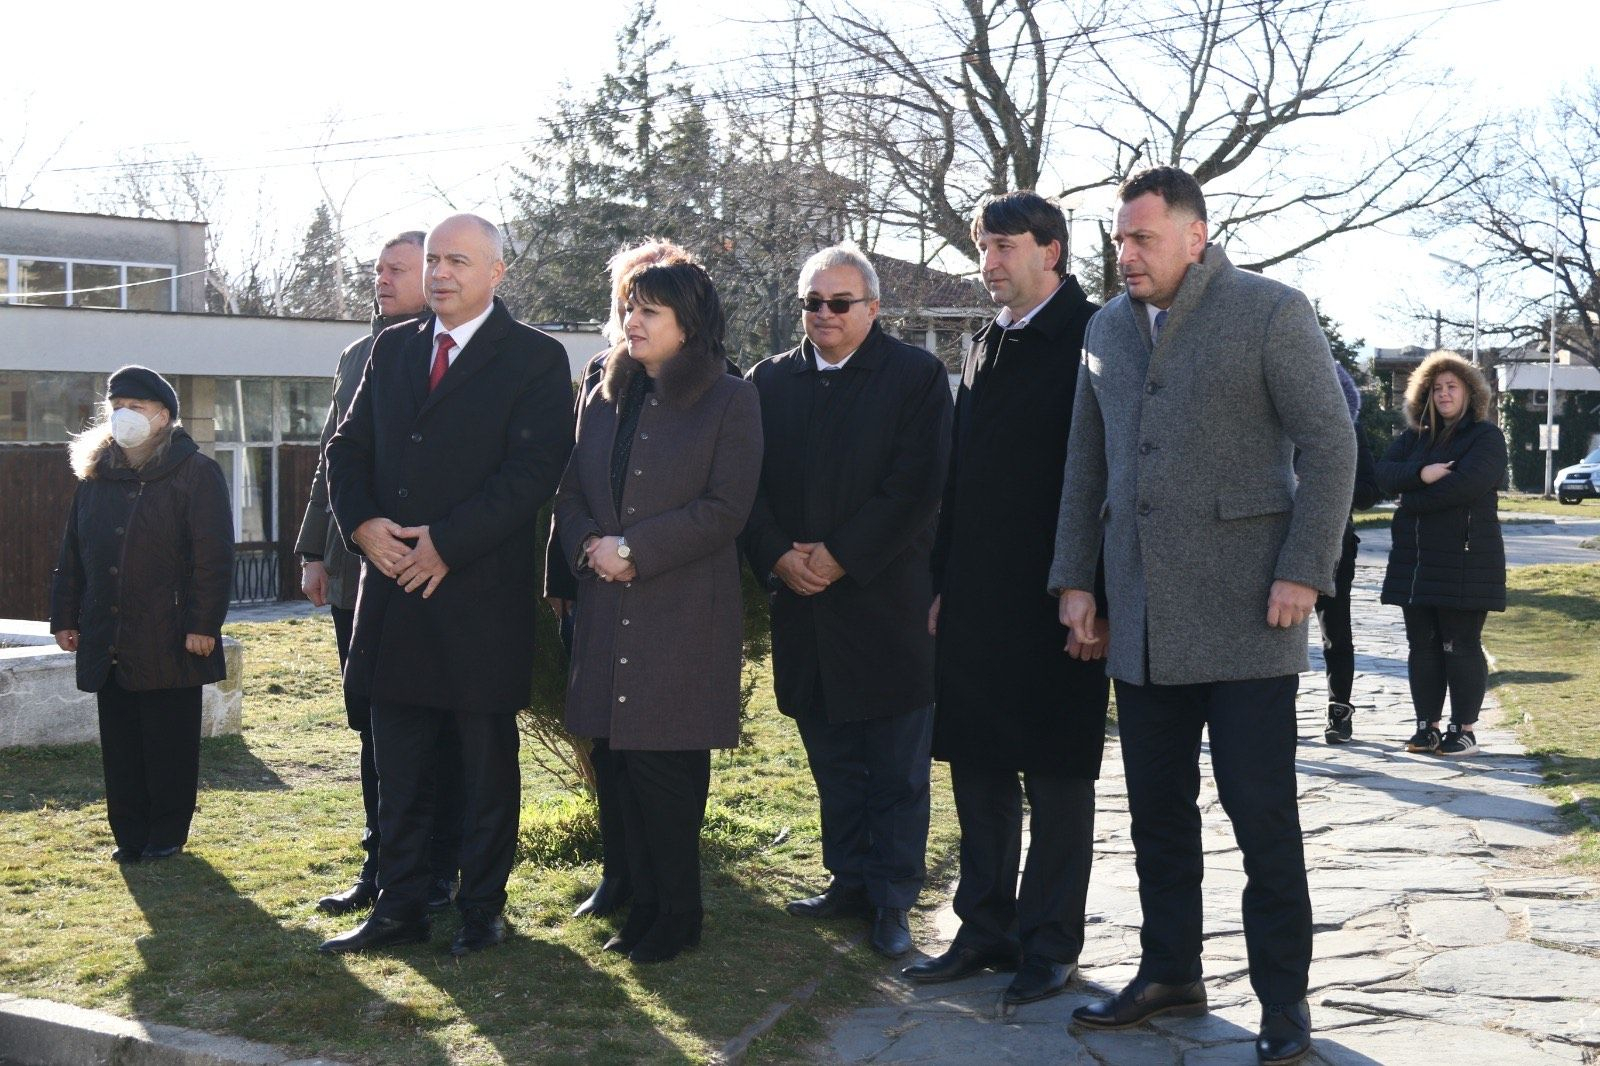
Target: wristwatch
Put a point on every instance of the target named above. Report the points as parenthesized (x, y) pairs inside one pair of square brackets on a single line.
[(623, 551)]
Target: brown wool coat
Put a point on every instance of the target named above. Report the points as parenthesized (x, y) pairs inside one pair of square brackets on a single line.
[(656, 661)]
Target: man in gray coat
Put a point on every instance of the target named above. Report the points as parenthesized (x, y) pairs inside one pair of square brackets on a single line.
[(330, 575), (1202, 384)]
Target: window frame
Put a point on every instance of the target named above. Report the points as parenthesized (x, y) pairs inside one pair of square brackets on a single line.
[(14, 298)]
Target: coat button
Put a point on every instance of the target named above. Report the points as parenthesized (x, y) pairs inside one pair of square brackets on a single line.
[(119, 531), (416, 438), (654, 402), (624, 621), (402, 493), (1144, 508), (623, 660), (644, 436), (113, 570), (1152, 388), (1146, 448), (622, 699), (627, 585), (113, 609), (630, 510), (636, 473), (133, 495)]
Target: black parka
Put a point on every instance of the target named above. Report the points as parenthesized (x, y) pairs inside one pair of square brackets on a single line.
[(1009, 697), (147, 558), (1446, 549)]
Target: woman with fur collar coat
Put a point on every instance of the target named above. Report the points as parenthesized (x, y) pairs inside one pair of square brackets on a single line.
[(1447, 562), (658, 488), (139, 595)]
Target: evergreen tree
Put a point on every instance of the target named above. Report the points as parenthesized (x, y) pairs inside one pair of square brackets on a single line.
[(316, 285)]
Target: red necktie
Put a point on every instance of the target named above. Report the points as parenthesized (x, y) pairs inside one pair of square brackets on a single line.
[(441, 360)]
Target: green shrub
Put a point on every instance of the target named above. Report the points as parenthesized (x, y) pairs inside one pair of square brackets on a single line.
[(561, 830)]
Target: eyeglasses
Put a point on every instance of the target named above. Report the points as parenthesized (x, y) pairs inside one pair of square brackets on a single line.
[(839, 305)]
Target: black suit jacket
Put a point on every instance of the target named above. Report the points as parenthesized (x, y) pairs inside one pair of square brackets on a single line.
[(855, 458), (474, 460)]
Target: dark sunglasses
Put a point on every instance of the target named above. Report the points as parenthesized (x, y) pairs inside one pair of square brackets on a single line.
[(839, 305)]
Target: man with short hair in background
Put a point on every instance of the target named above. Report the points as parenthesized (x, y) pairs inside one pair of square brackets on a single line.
[(455, 439), (1201, 384), (331, 575), (856, 427)]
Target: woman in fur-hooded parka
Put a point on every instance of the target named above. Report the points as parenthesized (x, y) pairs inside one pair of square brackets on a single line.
[(1447, 562)]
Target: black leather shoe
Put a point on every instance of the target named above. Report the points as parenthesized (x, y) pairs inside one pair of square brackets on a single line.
[(608, 897), (1285, 1033), (640, 919), (1039, 978), (378, 932), (358, 897), (127, 856), (1143, 1000), (670, 934), (891, 932), (442, 893), (959, 962), (480, 928), (151, 854), (836, 902)]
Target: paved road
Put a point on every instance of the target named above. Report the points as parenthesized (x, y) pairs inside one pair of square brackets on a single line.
[(1550, 540), (1444, 934)]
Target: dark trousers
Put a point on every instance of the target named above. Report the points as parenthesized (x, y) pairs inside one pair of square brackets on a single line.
[(613, 832), (407, 738), (150, 750), (1252, 729), (1333, 616), (872, 785), (444, 848), (663, 799), (1446, 655), (1045, 915)]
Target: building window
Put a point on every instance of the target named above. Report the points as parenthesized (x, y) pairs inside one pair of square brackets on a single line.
[(47, 406), (71, 283), (253, 417)]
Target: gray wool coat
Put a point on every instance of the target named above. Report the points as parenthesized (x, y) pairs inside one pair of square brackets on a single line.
[(1182, 460), (656, 660)]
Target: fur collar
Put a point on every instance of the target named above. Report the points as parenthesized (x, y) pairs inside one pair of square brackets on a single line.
[(1420, 384), (683, 378)]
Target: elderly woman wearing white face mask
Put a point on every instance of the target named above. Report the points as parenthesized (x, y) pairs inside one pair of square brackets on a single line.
[(140, 592)]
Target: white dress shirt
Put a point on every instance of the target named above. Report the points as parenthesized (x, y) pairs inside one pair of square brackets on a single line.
[(461, 334), (1005, 320)]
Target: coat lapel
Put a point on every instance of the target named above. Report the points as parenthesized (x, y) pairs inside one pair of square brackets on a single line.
[(417, 353), (479, 352)]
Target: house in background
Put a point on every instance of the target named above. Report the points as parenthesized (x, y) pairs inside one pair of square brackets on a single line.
[(930, 308), (82, 294)]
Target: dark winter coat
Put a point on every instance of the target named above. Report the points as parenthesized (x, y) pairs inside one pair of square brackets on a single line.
[(855, 458), (656, 660), (1008, 694), (319, 535), (147, 559), (474, 460), (1445, 545)]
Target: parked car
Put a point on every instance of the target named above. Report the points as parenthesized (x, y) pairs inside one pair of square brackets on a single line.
[(1577, 483)]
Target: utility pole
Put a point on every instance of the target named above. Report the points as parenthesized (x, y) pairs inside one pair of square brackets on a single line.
[(1550, 374)]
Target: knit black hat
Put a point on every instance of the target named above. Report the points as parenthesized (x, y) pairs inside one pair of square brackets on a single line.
[(141, 383)]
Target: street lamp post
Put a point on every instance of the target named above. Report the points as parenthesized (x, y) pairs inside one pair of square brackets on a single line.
[(1477, 297), (1550, 375)]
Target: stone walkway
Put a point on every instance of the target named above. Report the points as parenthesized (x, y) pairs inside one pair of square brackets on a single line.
[(1443, 934)]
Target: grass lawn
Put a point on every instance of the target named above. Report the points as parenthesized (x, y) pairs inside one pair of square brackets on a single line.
[(1528, 503), (1547, 651), (224, 938)]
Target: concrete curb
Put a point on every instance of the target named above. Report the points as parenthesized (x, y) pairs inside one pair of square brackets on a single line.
[(38, 1032)]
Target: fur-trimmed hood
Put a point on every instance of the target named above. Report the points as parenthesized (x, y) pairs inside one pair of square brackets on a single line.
[(1421, 384), (683, 378)]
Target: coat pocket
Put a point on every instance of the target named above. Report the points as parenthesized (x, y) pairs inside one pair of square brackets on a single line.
[(1253, 503)]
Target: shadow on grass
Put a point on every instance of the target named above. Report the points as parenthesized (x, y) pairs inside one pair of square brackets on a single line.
[(69, 776), (1575, 607), (1528, 677), (214, 960)]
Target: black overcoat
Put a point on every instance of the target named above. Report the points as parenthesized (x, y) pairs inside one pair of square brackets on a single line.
[(1008, 694), (656, 660), (855, 458), (473, 460), (1445, 544), (146, 559)]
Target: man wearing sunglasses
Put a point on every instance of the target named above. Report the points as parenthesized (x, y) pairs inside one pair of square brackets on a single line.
[(857, 432)]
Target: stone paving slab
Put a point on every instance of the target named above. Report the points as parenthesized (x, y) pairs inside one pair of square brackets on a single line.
[(1441, 937)]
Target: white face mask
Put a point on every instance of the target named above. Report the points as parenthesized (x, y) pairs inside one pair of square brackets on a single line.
[(130, 428)]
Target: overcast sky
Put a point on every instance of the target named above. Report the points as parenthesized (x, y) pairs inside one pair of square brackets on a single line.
[(432, 101)]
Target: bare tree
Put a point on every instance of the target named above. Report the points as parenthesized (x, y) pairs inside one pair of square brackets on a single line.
[(20, 169), (1540, 169), (1068, 98)]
